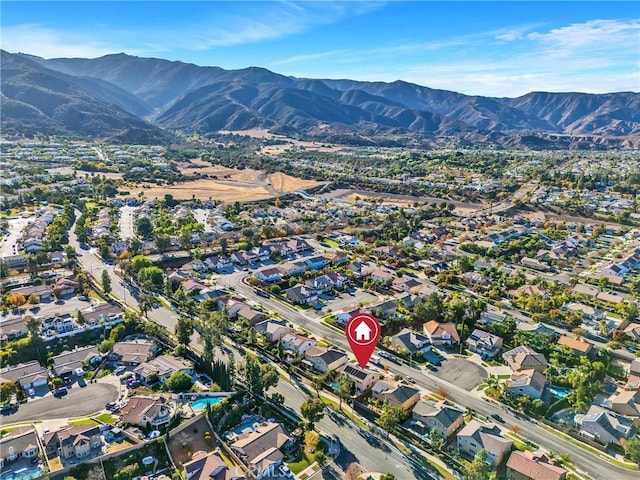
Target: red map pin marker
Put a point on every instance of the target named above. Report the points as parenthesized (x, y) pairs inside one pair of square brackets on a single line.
[(363, 332)]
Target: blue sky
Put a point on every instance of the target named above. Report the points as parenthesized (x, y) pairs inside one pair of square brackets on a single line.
[(484, 48)]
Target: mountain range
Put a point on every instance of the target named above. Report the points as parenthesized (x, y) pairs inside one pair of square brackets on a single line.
[(125, 98)]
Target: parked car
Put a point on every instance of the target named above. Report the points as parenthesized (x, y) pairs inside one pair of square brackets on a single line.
[(110, 405), (9, 408), (31, 392), (119, 370), (497, 417), (83, 298), (81, 382), (60, 392)]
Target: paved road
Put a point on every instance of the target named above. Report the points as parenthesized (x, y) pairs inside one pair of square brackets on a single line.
[(595, 467), (16, 225), (356, 444), (125, 222), (78, 402), (94, 265)]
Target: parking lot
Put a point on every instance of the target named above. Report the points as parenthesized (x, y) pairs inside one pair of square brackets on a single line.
[(460, 372)]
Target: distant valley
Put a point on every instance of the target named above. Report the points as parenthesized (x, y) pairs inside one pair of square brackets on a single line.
[(122, 98)]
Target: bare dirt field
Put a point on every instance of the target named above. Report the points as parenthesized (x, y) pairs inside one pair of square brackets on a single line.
[(231, 185), (193, 439)]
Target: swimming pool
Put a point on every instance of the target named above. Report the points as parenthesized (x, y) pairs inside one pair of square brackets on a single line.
[(201, 403), (26, 473), (559, 392)]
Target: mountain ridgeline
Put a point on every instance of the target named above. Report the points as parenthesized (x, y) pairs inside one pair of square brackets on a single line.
[(125, 98)]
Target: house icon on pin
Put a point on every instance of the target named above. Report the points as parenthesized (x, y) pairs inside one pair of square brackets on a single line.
[(363, 332)]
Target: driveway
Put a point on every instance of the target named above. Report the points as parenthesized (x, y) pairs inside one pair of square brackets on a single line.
[(78, 402), (461, 372)]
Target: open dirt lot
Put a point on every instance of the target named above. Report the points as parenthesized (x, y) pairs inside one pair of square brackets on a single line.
[(231, 185), (461, 372), (194, 438)]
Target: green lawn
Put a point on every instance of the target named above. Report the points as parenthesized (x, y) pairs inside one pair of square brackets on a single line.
[(105, 418), (84, 421), (7, 430), (306, 459), (330, 243)]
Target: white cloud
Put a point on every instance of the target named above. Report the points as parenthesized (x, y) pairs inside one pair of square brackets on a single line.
[(45, 42), (510, 36)]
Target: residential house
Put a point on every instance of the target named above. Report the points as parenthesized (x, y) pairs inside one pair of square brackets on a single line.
[(485, 344), (529, 383), (261, 448), (243, 257), (605, 426), (210, 466), (28, 375), (320, 285), (493, 315), (386, 309), (19, 443), (533, 466), (349, 312), (67, 362), (133, 352), (626, 402), (15, 262), (338, 279), (364, 379), (325, 359), (444, 419), (65, 287), (530, 291), (591, 315), (164, 366), (103, 312), (633, 381), (298, 245), (316, 263), (441, 333), (263, 253), (580, 346), (233, 305), (395, 394), (273, 330), (251, 315), (269, 274), (12, 329), (72, 441), (410, 342), (381, 275), (58, 324), (525, 358), (294, 269), (476, 436), (296, 343), (405, 284), (43, 292), (301, 295), (191, 286), (146, 411)]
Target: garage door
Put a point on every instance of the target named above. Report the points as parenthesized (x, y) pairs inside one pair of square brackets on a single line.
[(40, 382)]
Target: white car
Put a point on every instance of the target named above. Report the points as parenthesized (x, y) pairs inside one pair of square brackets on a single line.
[(119, 370)]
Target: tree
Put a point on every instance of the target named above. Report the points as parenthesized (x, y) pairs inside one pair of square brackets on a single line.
[(253, 377), (224, 244), (144, 226), (436, 439), (80, 317), (632, 450), (17, 299), (33, 327), (391, 417), (388, 476), (346, 388), (106, 345), (353, 472), (106, 282), (184, 330), (478, 469), (145, 303), (33, 299), (312, 410), (179, 381), (442, 392), (311, 441), (277, 398)]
